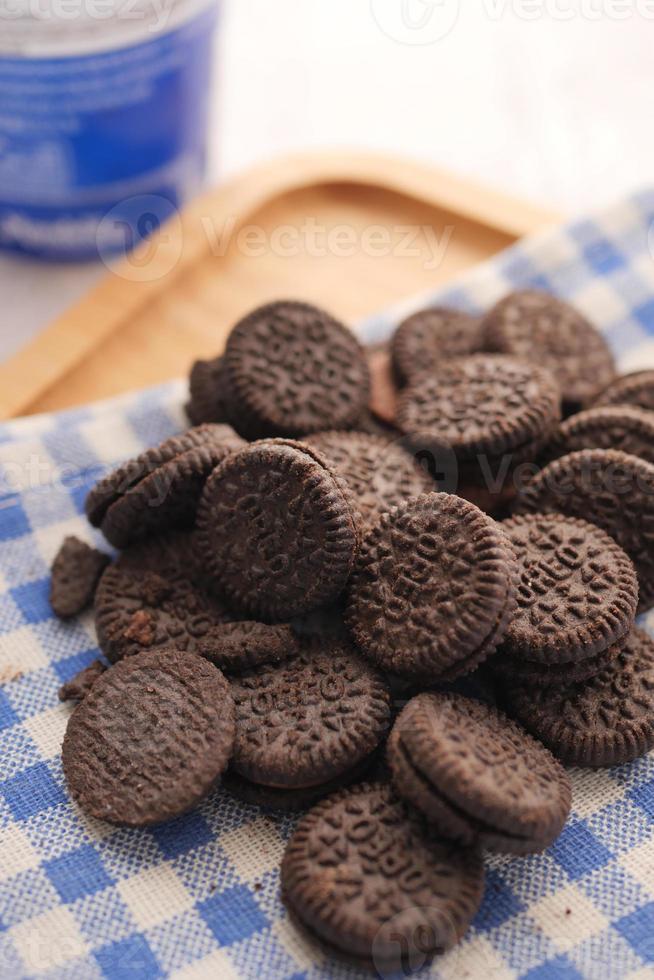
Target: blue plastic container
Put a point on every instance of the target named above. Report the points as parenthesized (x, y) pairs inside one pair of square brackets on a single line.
[(97, 112)]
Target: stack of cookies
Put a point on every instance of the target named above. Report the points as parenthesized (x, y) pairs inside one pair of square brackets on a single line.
[(394, 588)]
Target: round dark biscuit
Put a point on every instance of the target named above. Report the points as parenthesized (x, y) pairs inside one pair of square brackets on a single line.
[(478, 775), (111, 487), (167, 498), (150, 739), (606, 721), (291, 369), (611, 489), (381, 474), (522, 670), (537, 327), (279, 530), (309, 720), (622, 427), (368, 878), (434, 581), (235, 647), (207, 390), (635, 389), (577, 591), (79, 686), (155, 596), (76, 571), (424, 340), (485, 405), (294, 800)]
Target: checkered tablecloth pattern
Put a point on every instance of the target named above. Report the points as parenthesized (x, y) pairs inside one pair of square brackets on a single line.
[(200, 897)]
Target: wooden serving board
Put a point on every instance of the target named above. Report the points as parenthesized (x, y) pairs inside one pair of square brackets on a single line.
[(351, 232)]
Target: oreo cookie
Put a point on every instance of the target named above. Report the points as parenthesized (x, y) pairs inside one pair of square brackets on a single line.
[(540, 328), (207, 390), (120, 481), (381, 474), (611, 489), (519, 669), (79, 686), (76, 571), (168, 496), (622, 427), (433, 591), (635, 389), (427, 338), (310, 720), (291, 369), (286, 800), (156, 596), (481, 408), (478, 776), (577, 591), (606, 721), (278, 529), (371, 882), (235, 647), (150, 739)]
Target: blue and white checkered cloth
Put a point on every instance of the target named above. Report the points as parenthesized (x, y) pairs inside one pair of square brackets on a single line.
[(200, 897)]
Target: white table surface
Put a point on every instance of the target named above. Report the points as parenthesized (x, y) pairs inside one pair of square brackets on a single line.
[(555, 108)]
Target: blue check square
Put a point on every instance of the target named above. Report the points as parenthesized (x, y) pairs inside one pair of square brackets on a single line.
[(182, 835), (33, 600), (127, 959), (638, 930), (232, 915), (578, 851), (31, 791), (559, 968), (13, 519), (499, 904), (77, 873), (8, 716), (645, 315), (643, 796)]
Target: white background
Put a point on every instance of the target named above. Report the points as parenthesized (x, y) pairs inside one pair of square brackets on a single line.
[(549, 99)]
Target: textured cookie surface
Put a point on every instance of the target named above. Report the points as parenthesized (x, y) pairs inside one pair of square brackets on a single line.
[(611, 489), (156, 595), (239, 646), (433, 583), (605, 721), (285, 800), (75, 573), (168, 497), (367, 877), (635, 389), (309, 720), (150, 739), (520, 669), (380, 473), (622, 427), (279, 530), (292, 369), (577, 591), (479, 775), (538, 327), (425, 339), (111, 487), (484, 404), (207, 389)]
